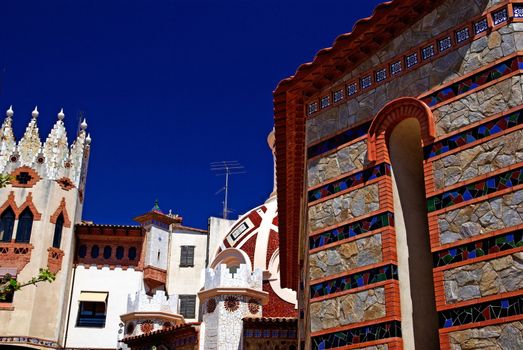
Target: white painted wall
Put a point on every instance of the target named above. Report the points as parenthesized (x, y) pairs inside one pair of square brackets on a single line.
[(187, 280), (119, 284), (157, 249)]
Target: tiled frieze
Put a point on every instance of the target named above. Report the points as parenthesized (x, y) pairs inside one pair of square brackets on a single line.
[(477, 189), (473, 82), (348, 309), (347, 159), (353, 229), (353, 281), (359, 335), (337, 140), (494, 155), (362, 252), (492, 127), (344, 207), (347, 182), (483, 279), (495, 337), (484, 247), (486, 311), (478, 105), (493, 214)]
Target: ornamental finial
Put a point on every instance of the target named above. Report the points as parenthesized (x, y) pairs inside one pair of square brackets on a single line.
[(10, 112), (61, 114), (35, 113), (88, 139), (83, 125)]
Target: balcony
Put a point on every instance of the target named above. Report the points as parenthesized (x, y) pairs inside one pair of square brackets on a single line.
[(15, 255)]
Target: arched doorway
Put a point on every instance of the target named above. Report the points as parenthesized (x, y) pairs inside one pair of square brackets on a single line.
[(397, 135)]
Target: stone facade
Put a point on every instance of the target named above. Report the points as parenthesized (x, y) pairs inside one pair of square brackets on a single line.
[(363, 252), (345, 207), (484, 278), (347, 159), (507, 336), (348, 309), (475, 219), (493, 155), (478, 106)]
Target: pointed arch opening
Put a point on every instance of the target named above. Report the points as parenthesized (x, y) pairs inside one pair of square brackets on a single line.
[(396, 136), (25, 226), (58, 228), (7, 224)]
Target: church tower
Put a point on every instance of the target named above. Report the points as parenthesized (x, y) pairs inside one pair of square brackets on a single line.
[(38, 210)]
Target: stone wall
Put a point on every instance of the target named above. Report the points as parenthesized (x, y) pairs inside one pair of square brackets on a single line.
[(484, 278), (479, 105), (345, 160), (348, 309), (345, 207), (464, 60), (486, 157), (507, 336), (363, 252), (475, 219)]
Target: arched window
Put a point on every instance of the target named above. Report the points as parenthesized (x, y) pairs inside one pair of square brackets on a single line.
[(108, 251), (82, 251), (58, 227), (7, 222), (25, 225), (119, 252), (95, 250), (132, 253)]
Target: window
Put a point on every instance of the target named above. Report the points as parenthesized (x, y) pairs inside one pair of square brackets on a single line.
[(95, 250), (188, 306), (108, 251), (25, 225), (82, 251), (92, 309), (132, 253), (119, 252), (7, 223), (187, 256), (58, 227)]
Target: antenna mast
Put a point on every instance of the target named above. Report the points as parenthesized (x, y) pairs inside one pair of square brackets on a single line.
[(227, 168)]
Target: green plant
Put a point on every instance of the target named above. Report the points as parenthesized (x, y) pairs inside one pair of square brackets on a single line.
[(9, 285)]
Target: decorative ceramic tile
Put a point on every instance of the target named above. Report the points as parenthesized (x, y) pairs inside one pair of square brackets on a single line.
[(444, 44), (351, 230), (312, 108), (338, 96), (357, 280), (462, 35), (381, 75), (479, 132), (500, 16), (338, 140), (411, 60), (366, 82), (428, 52), (475, 81), (481, 26), (475, 190), (491, 310), (325, 102), (357, 335), (484, 247)]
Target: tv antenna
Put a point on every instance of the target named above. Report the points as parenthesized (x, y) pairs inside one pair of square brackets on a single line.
[(227, 168)]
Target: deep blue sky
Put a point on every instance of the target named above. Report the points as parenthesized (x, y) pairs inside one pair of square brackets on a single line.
[(166, 89)]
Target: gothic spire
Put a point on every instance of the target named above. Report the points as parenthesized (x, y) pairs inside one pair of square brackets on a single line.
[(56, 149), (78, 149), (30, 145), (7, 139)]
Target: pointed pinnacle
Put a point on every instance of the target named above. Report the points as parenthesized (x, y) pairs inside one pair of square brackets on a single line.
[(88, 139), (61, 114), (35, 113), (83, 125), (10, 112)]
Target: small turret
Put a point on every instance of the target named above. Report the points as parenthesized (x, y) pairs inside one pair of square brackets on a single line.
[(7, 139), (56, 149), (30, 145)]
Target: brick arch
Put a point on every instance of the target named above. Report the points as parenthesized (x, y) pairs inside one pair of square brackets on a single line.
[(29, 204), (61, 210), (10, 202), (391, 115)]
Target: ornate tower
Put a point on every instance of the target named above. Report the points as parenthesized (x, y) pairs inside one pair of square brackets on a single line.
[(38, 210)]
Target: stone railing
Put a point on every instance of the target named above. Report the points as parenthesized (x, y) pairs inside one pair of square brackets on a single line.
[(159, 302), (223, 276)]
